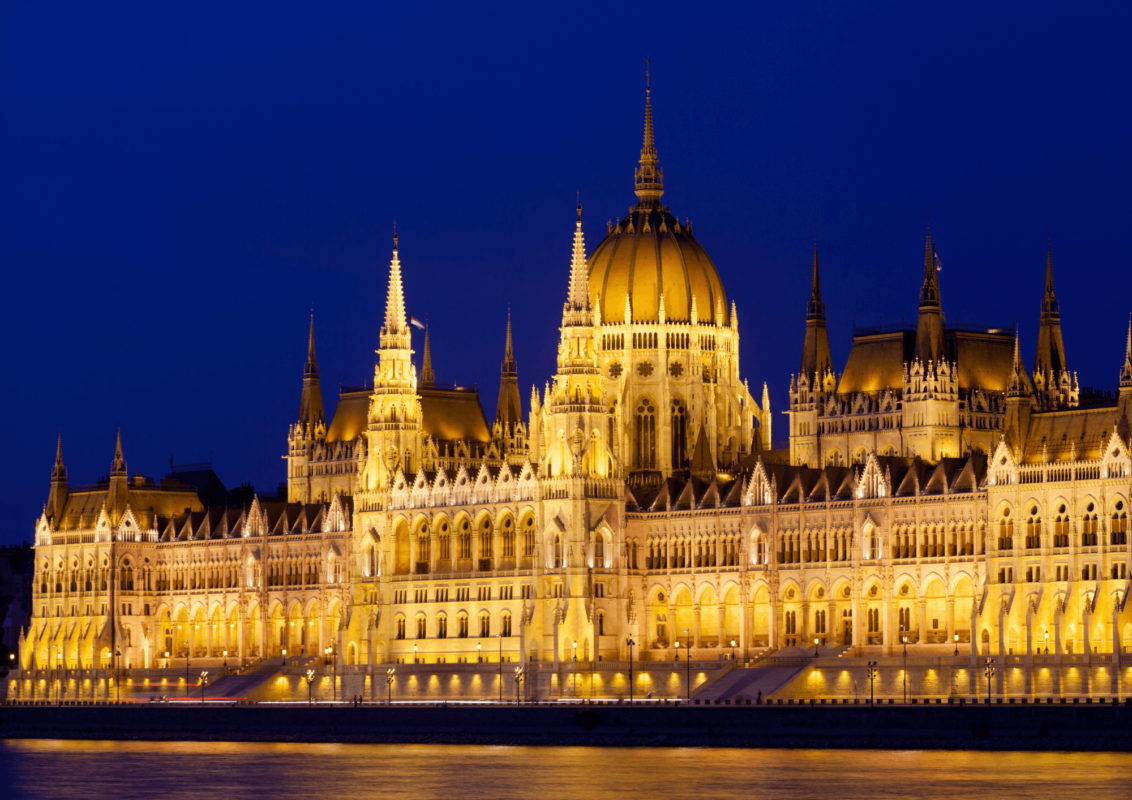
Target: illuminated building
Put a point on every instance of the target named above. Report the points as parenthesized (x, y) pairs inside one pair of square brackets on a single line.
[(934, 489)]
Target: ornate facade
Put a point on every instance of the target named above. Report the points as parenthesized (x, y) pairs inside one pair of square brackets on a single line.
[(935, 493)]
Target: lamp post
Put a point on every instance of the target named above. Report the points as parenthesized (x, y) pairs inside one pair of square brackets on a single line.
[(688, 662), (732, 649), (518, 683), (989, 672), (815, 647), (957, 644), (499, 636), (1047, 643), (203, 683), (225, 662), (575, 669), (872, 676), (631, 643), (284, 662), (415, 654), (118, 675), (310, 689), (905, 638), (389, 685)]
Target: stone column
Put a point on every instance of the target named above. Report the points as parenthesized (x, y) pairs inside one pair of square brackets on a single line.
[(673, 634), (774, 625), (696, 611), (804, 634), (886, 622), (922, 606), (857, 621), (434, 544), (951, 622), (723, 639), (1088, 639)]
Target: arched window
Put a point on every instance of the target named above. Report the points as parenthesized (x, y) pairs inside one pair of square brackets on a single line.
[(601, 623), (508, 538), (1005, 532), (462, 625), (1061, 528), (599, 551), (422, 627), (835, 458), (127, 578), (485, 625), (400, 627), (528, 536), (1033, 530), (505, 624), (557, 551), (464, 540), (1119, 524), (1089, 527), (442, 627), (679, 435), (646, 435)]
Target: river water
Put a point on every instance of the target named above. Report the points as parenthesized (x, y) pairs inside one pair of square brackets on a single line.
[(170, 770)]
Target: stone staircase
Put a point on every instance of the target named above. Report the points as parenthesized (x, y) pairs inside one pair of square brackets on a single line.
[(239, 685)]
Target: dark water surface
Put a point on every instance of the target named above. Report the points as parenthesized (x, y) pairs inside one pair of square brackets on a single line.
[(75, 769)]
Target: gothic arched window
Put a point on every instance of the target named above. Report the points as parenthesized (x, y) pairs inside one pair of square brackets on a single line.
[(646, 435), (679, 434)]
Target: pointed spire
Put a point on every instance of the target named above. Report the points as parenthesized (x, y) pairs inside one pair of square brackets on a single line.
[(428, 377), (734, 317), (649, 178), (395, 321), (311, 412), (509, 367), (661, 314), (1126, 370), (59, 472), (1050, 356), (628, 309), (815, 348), (929, 293), (694, 315), (1050, 309), (815, 309), (119, 466), (1019, 384), (577, 311)]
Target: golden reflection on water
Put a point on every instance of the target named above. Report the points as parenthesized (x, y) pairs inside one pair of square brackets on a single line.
[(61, 769)]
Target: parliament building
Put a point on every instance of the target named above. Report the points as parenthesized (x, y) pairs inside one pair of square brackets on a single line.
[(936, 494)]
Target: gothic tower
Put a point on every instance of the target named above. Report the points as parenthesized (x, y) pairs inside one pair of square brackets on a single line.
[(1054, 385), (395, 431)]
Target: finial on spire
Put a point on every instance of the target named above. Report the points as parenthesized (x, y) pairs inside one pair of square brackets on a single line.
[(929, 293), (815, 309), (509, 367), (577, 310), (395, 321), (394, 236)]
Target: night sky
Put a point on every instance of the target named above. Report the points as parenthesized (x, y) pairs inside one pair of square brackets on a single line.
[(180, 184)]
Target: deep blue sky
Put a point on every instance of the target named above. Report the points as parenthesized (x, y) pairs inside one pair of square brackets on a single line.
[(181, 183)]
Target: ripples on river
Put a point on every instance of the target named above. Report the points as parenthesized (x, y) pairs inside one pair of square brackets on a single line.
[(170, 770)]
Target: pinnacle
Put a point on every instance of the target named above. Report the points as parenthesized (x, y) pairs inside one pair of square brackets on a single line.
[(428, 377), (395, 299), (60, 471), (578, 300), (816, 308), (119, 465)]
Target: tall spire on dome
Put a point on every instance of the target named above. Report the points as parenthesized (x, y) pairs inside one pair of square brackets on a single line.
[(649, 177), (395, 299), (577, 310), (816, 360), (57, 495), (509, 367), (428, 377)]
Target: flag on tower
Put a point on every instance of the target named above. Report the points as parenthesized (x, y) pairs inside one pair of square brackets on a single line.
[(416, 323)]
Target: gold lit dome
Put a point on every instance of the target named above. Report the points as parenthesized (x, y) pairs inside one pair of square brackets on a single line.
[(649, 253)]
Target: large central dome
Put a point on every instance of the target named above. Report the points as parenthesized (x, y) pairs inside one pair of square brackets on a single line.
[(649, 254)]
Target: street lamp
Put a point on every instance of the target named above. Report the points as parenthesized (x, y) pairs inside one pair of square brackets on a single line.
[(905, 638), (479, 652), (872, 676), (518, 683), (688, 662), (225, 662), (284, 656), (1047, 643), (499, 636), (989, 671), (732, 649), (415, 654), (389, 685), (118, 674), (575, 669), (203, 683), (815, 647), (310, 690), (957, 644), (631, 643)]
